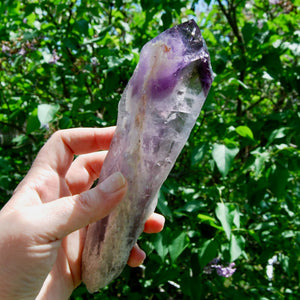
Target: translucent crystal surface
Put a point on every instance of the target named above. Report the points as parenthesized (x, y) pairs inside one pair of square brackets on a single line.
[(157, 112)]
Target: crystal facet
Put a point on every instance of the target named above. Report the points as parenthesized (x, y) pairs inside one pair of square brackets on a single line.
[(157, 112)]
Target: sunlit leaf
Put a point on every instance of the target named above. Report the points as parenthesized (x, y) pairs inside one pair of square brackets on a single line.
[(20, 140), (237, 245), (211, 221), (276, 134), (245, 131), (223, 214), (223, 157), (205, 218), (261, 157), (46, 113)]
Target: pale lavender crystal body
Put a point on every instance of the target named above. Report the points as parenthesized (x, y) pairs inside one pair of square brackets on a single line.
[(157, 112)]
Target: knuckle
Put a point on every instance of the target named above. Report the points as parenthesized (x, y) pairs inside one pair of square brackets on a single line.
[(57, 134)]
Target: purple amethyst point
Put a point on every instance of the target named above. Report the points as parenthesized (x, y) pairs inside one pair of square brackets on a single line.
[(157, 112)]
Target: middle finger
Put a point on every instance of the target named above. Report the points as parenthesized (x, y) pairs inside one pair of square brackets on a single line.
[(84, 170)]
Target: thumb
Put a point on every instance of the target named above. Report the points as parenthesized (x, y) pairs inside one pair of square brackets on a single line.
[(69, 214)]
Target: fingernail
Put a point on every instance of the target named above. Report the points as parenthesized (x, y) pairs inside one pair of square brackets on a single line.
[(112, 183)]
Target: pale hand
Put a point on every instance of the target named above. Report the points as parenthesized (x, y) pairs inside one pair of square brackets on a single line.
[(43, 225)]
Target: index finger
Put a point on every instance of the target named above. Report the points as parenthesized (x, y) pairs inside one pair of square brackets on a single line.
[(58, 153)]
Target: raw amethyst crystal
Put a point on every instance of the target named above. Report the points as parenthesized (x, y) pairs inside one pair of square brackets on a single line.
[(157, 112)]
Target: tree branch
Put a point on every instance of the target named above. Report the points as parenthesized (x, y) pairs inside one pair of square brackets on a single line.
[(17, 129), (89, 90), (230, 15)]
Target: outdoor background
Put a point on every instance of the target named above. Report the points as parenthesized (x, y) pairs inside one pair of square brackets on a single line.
[(233, 195)]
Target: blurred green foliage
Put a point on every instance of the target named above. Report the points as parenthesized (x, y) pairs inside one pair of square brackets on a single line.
[(234, 191)]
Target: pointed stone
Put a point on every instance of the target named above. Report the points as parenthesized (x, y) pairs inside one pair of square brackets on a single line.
[(157, 112)]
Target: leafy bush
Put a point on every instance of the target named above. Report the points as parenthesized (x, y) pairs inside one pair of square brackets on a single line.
[(232, 196)]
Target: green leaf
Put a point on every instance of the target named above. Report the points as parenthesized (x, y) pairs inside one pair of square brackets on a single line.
[(162, 206), (46, 113), (177, 246), (5, 181), (276, 134), (33, 122), (261, 157), (65, 122), (245, 131), (111, 82), (208, 252), (100, 36), (205, 218), (29, 8), (191, 286), (237, 245), (248, 32), (211, 221), (198, 154), (71, 43), (223, 157), (229, 215), (30, 35), (226, 219), (5, 165), (167, 19), (115, 61), (236, 216), (237, 82), (82, 26), (294, 47), (160, 245), (278, 180), (20, 140), (273, 63)]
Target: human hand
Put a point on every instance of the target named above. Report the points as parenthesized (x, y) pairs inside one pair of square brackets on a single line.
[(43, 225)]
